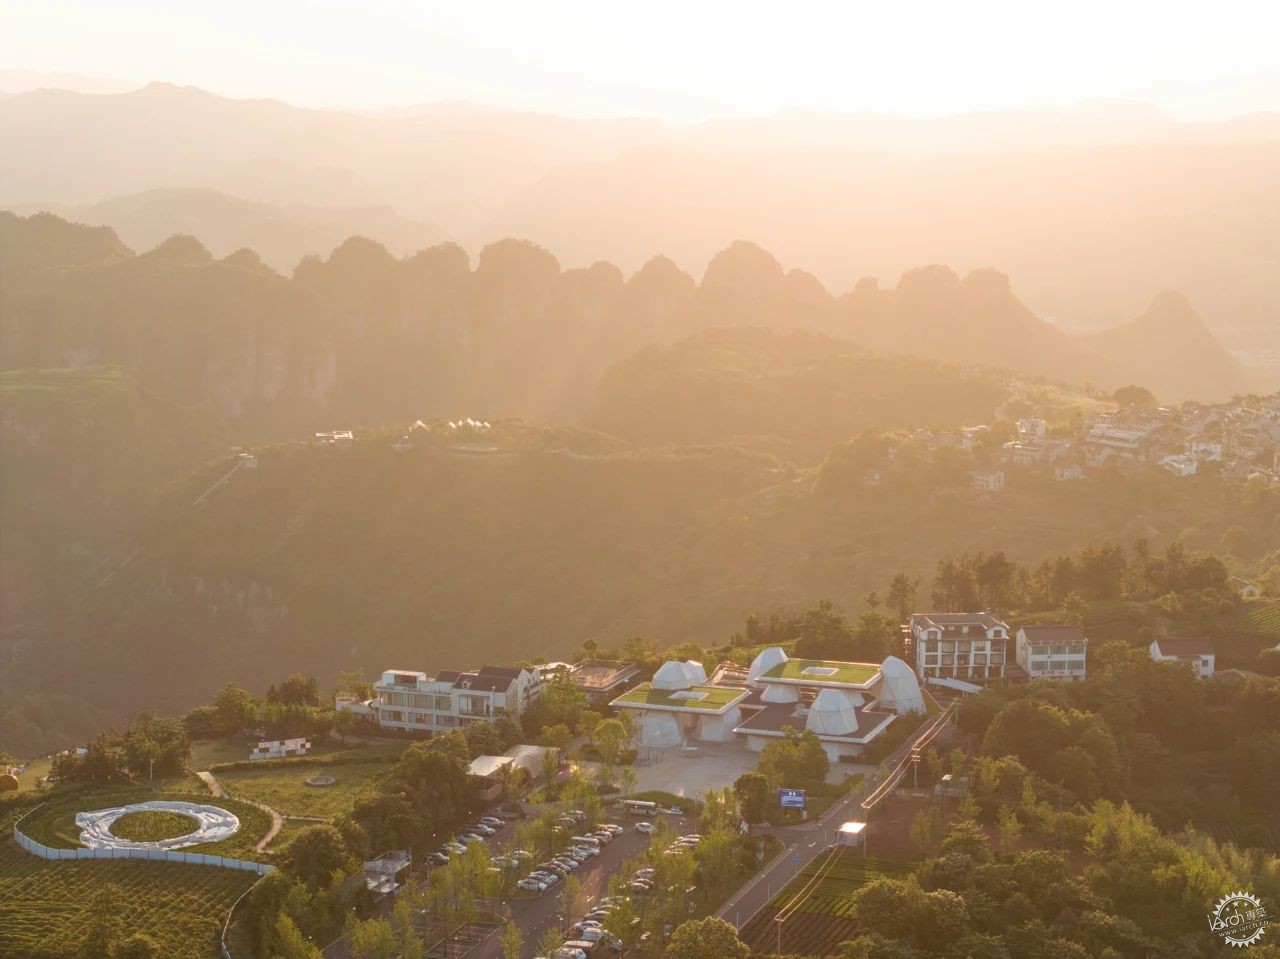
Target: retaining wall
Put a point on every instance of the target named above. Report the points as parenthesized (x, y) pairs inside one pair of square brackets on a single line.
[(153, 855)]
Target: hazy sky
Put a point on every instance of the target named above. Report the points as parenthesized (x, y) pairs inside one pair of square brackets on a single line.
[(682, 60)]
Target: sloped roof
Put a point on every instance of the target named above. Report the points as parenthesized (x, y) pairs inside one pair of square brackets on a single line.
[(1185, 647)]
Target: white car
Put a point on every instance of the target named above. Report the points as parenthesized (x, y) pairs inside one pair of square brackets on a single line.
[(493, 822), (583, 852), (644, 827), (480, 829), (613, 828), (529, 884), (645, 873)]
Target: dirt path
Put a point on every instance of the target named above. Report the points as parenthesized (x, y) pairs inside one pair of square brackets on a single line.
[(277, 820)]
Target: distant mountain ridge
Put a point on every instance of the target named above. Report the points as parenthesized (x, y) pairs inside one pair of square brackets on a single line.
[(280, 235), (363, 337), (1055, 196)]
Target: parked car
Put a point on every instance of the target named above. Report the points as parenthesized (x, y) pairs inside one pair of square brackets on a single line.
[(480, 829), (644, 827), (566, 862), (529, 884), (566, 821), (469, 838), (521, 854), (645, 873), (584, 851), (638, 887), (456, 848), (504, 862), (493, 822), (554, 867), (436, 859), (568, 951), (613, 828), (603, 835), (577, 814)]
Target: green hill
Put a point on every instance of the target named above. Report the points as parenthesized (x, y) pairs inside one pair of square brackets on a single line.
[(450, 554)]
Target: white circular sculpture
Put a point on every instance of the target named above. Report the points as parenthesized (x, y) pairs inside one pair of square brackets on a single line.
[(766, 660), (212, 825)]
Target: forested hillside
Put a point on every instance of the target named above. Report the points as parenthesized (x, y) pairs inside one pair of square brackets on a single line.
[(526, 541), (83, 452)]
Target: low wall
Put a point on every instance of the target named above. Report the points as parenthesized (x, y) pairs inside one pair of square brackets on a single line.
[(153, 855)]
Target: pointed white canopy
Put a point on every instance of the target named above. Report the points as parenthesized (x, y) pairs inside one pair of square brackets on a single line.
[(899, 688), (778, 693), (765, 661), (660, 730), (832, 714), (696, 673), (672, 675)]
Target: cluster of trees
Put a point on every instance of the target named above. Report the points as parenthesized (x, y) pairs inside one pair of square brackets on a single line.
[(151, 746), (1179, 749), (992, 581), (822, 632), (1143, 893)]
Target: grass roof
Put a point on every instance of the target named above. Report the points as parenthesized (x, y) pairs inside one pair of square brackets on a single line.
[(712, 698), (795, 670)]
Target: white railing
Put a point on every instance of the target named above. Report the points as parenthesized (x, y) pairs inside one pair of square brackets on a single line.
[(153, 855)]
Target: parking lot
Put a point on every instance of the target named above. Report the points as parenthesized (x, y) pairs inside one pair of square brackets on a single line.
[(535, 914)]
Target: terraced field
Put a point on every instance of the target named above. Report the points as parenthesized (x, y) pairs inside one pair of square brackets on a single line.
[(44, 906), (824, 918), (1261, 619)]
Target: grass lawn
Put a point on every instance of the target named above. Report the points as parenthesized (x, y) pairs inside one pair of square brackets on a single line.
[(821, 671), (44, 905), (710, 698), (283, 786), (54, 824), (152, 826)]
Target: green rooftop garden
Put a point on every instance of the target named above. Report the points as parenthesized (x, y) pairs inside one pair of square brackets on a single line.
[(821, 671), (709, 698)]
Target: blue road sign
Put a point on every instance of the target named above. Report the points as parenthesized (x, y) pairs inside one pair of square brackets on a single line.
[(795, 859), (791, 798)]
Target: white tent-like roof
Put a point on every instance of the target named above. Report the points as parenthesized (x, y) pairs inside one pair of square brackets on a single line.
[(899, 688), (778, 693), (673, 675), (766, 660), (697, 675), (660, 730), (832, 714)]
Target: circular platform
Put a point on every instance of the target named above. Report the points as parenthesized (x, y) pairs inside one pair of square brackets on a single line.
[(212, 824)]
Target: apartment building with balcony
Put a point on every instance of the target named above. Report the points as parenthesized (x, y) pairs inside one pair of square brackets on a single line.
[(1052, 652), (966, 646), (406, 699)]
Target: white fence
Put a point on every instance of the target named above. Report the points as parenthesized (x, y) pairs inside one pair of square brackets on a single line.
[(155, 855)]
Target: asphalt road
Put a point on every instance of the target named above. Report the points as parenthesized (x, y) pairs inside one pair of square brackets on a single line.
[(803, 844)]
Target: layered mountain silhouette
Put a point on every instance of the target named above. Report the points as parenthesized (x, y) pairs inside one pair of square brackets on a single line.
[(364, 337), (1091, 208)]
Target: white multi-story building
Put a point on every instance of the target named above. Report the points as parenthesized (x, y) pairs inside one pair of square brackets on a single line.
[(964, 646), (1197, 653), (1031, 430), (414, 700), (1052, 652)]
